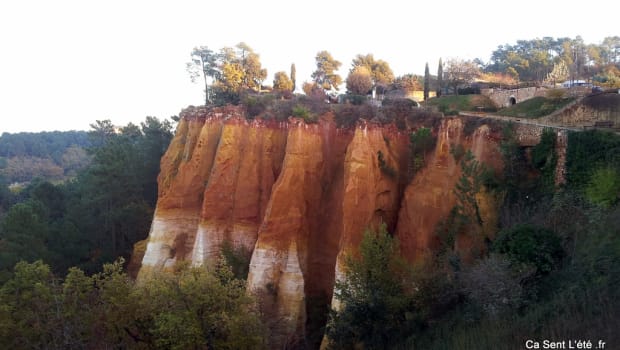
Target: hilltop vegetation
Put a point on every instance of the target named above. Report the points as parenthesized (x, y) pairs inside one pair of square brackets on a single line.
[(451, 105), (232, 71), (535, 107)]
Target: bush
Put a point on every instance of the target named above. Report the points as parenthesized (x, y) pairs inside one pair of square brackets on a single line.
[(604, 187), (588, 151), (469, 91), (530, 245), (555, 94), (238, 258), (300, 111), (399, 103), (355, 99), (253, 106), (221, 96), (384, 166), (493, 286)]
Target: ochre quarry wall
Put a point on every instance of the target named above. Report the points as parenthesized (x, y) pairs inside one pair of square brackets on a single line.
[(297, 198)]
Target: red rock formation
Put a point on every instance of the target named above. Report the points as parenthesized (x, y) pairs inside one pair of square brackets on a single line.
[(248, 161), (298, 197), (429, 198)]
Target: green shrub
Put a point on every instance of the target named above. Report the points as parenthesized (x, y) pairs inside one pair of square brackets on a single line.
[(355, 99), (544, 158), (555, 94), (377, 303), (385, 168), (300, 112), (588, 151), (238, 258), (530, 245), (604, 187)]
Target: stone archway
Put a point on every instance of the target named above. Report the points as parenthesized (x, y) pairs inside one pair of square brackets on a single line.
[(512, 101)]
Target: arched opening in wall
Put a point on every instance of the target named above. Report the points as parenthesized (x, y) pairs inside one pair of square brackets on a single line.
[(512, 101)]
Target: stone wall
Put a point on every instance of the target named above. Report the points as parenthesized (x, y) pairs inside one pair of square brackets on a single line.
[(528, 135)]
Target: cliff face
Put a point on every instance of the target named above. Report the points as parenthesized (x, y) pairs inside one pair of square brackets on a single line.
[(297, 198)]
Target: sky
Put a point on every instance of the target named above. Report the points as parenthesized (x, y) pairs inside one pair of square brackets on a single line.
[(65, 64)]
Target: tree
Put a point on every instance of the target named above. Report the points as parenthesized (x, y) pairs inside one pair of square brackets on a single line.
[(468, 186), (281, 82), (113, 200), (380, 70), (24, 234), (407, 82), (203, 61), (240, 68), (439, 77), (427, 81), (28, 314), (200, 308), (420, 143), (494, 286), (293, 77), (610, 50), (376, 305), (459, 72), (253, 73), (194, 308), (359, 81), (313, 90), (325, 75), (102, 131)]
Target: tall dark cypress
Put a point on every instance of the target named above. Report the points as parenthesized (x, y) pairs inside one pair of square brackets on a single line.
[(427, 82), (439, 77), (293, 76)]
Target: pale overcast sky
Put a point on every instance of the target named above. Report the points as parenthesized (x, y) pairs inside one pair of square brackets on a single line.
[(65, 64)]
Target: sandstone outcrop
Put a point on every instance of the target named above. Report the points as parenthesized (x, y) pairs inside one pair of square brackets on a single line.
[(297, 197)]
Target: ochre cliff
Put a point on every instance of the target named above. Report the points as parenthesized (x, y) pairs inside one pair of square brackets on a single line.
[(297, 197)]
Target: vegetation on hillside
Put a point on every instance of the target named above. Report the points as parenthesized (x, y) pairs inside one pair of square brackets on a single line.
[(54, 156), (195, 308), (540, 60), (377, 309), (95, 217), (551, 272), (535, 107), (451, 105)]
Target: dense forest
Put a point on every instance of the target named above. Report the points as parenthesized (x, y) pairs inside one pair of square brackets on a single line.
[(54, 156), (98, 214)]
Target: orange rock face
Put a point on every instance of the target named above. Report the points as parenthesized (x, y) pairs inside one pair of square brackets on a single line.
[(298, 197)]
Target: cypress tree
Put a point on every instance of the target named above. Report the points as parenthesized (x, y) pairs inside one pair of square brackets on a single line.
[(439, 77), (293, 76), (427, 82)]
